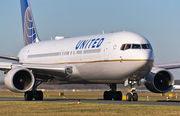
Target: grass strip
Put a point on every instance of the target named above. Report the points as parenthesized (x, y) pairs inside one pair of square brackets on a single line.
[(57, 108)]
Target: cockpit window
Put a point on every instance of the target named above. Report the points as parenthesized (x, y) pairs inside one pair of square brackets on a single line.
[(136, 46), (128, 46), (146, 46), (123, 46)]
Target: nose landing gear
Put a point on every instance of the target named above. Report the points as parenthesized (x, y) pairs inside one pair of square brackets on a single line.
[(132, 95)]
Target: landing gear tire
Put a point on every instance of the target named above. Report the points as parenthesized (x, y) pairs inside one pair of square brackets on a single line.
[(128, 97), (112, 94), (135, 97), (28, 95), (39, 95), (118, 95), (108, 95)]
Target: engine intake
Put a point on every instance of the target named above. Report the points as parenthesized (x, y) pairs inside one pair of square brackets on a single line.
[(19, 80), (159, 81)]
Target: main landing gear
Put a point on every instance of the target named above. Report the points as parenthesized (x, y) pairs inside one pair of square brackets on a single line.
[(37, 95), (112, 94), (132, 95)]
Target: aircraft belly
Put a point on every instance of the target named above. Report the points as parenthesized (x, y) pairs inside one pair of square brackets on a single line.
[(111, 72), (106, 72)]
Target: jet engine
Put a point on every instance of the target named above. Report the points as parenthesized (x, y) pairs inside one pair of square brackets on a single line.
[(19, 80), (159, 81)]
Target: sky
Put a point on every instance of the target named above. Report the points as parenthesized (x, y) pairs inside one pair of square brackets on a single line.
[(157, 20)]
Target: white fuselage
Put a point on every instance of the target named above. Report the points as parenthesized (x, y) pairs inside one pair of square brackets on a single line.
[(96, 58)]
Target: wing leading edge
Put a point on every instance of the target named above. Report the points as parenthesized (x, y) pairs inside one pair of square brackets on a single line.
[(9, 57), (167, 66), (40, 69)]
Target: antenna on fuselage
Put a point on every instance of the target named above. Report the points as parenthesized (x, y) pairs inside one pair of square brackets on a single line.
[(103, 31)]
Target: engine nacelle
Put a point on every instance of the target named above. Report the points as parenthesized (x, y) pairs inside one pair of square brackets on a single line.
[(19, 80), (159, 81)]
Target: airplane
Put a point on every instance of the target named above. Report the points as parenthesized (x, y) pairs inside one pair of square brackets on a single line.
[(176, 87), (110, 58)]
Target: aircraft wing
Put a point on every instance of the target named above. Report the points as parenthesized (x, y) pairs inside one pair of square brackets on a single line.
[(9, 57), (40, 69), (48, 69), (5, 66), (170, 65), (54, 69)]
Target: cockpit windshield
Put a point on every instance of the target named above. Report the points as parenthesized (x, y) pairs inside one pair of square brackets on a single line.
[(146, 46), (128, 46), (136, 46)]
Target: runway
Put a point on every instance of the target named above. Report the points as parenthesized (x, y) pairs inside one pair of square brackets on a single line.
[(100, 101)]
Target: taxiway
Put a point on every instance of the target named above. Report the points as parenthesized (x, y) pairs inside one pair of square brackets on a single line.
[(100, 101)]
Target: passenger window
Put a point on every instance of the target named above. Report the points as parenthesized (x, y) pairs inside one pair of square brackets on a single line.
[(128, 46), (123, 46), (136, 46)]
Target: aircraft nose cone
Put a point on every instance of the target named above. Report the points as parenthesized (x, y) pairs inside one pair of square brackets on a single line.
[(150, 55), (144, 55), (144, 59), (143, 63)]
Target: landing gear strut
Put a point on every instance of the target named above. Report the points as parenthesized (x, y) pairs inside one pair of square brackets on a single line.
[(37, 95), (132, 95), (112, 94)]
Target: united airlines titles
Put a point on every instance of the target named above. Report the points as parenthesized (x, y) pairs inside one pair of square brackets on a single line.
[(90, 43)]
